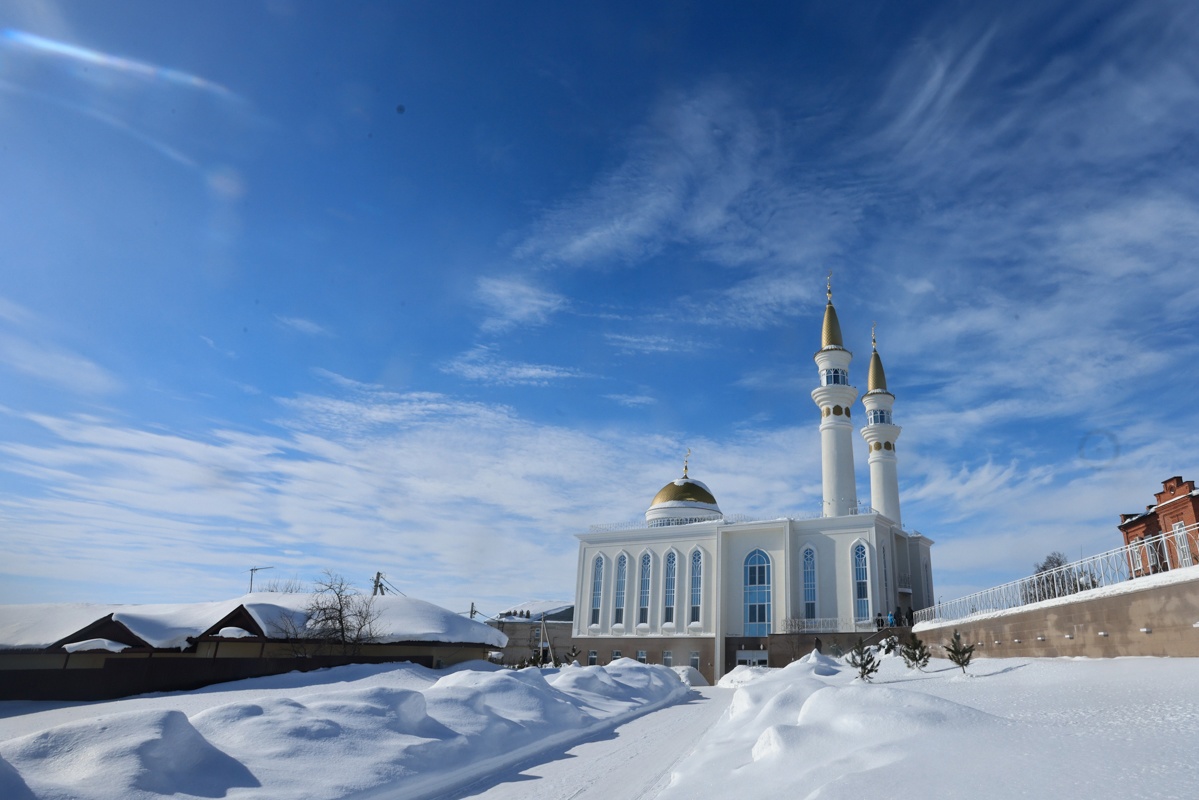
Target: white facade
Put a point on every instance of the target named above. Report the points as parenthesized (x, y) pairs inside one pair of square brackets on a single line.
[(690, 584)]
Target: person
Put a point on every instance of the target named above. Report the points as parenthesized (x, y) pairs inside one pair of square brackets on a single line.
[(878, 620), (890, 620)]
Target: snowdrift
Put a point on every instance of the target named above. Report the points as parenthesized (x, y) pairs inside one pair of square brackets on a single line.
[(402, 730)]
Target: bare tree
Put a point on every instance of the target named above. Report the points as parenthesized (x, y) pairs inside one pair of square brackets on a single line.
[(340, 615), (292, 585), (338, 618)]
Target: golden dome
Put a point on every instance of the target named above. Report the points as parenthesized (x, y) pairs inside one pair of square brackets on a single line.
[(684, 490), (877, 380), (830, 335)]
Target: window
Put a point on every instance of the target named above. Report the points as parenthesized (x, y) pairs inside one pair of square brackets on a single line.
[(834, 377), (1185, 558), (622, 568), (641, 656), (668, 604), (592, 658), (643, 600), (886, 583), (879, 416), (597, 588), (697, 572), (861, 594), (809, 583), (695, 658), (667, 658), (615, 655), (1137, 564), (757, 594)]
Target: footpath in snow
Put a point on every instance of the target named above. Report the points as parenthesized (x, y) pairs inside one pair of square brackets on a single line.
[(396, 730)]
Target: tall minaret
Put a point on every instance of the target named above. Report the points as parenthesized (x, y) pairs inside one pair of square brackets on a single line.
[(880, 435), (834, 396)]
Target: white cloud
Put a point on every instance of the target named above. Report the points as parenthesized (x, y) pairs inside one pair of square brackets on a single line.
[(515, 301), (481, 364), (301, 325), (632, 400), (24, 349)]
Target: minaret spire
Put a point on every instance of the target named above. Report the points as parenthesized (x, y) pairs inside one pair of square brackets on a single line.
[(686, 458), (880, 435), (833, 397)]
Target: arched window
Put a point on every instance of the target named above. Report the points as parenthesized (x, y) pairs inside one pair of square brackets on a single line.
[(671, 571), (643, 598), (697, 577), (809, 583), (861, 593), (757, 594), (597, 588), (622, 570)]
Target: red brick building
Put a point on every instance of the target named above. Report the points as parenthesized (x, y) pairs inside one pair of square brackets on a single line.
[(1167, 532)]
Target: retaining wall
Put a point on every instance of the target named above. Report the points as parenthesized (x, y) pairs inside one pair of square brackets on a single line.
[(1161, 620)]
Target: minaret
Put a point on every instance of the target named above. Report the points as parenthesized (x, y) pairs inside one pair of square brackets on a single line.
[(834, 396), (880, 435)]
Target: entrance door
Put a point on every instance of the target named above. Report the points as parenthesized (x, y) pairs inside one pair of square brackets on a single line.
[(751, 658)]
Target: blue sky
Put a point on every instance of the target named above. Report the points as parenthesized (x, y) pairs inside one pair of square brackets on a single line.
[(427, 288)]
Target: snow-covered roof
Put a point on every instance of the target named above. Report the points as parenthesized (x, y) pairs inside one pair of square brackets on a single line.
[(536, 610), (400, 619)]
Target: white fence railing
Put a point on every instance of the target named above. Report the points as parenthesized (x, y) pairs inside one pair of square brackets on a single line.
[(827, 625), (1173, 549)]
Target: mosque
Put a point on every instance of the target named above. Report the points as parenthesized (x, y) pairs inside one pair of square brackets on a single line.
[(692, 586)]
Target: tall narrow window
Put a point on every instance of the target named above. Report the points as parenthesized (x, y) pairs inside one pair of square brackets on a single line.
[(861, 594), (809, 583), (697, 577), (694, 660), (1182, 545), (622, 570), (597, 588), (643, 597), (757, 594), (886, 582), (667, 658), (671, 572)]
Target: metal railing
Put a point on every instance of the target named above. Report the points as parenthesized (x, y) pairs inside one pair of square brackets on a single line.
[(827, 625), (1169, 550)]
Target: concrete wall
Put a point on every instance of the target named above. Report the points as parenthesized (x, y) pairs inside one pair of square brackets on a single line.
[(1169, 612)]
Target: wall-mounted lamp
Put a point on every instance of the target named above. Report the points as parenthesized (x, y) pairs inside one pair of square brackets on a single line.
[(1040, 638), (997, 641), (1069, 636), (1103, 633), (1146, 630), (1015, 641)]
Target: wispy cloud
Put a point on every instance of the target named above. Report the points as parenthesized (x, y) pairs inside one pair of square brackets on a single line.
[(649, 343), (632, 400), (24, 349), (516, 301), (482, 364), (301, 325)]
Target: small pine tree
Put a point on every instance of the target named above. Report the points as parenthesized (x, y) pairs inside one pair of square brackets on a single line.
[(915, 653), (959, 653), (862, 659)]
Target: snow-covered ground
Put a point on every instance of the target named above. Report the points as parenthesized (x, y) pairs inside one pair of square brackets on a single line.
[(1013, 728)]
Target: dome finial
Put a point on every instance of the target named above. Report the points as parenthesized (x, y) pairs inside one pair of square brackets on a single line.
[(873, 340), (830, 333), (686, 458)]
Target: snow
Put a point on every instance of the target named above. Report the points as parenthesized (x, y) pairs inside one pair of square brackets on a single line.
[(95, 644), (397, 729), (1095, 728), (536, 608), (169, 626)]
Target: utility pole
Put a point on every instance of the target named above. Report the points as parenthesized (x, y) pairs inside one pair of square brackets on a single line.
[(252, 571), (378, 589), (472, 610)]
